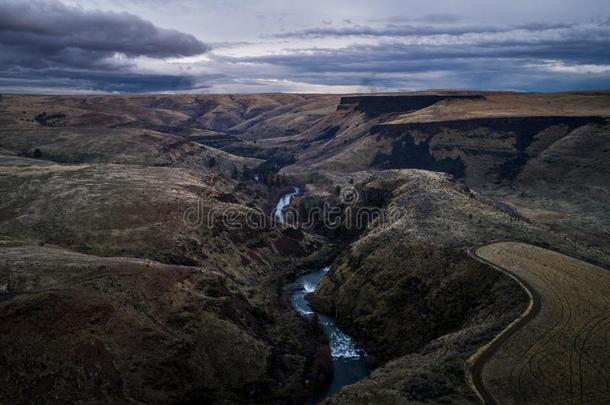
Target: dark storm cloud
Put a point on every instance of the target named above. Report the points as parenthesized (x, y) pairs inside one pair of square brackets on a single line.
[(37, 37), (51, 27), (99, 81), (107, 81)]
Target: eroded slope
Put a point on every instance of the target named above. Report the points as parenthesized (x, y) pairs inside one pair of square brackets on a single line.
[(410, 291)]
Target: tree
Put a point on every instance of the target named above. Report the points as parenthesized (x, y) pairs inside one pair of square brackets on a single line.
[(338, 190), (37, 153), (268, 181), (235, 173), (246, 173), (212, 162)]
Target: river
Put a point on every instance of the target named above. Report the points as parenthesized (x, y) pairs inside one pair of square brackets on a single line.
[(349, 361), (283, 202)]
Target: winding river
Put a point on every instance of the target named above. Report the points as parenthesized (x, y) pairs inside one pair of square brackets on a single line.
[(349, 361)]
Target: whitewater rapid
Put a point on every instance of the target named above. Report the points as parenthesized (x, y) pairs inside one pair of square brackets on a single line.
[(284, 201)]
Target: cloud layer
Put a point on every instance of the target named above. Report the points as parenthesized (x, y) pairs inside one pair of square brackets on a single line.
[(48, 45), (391, 56)]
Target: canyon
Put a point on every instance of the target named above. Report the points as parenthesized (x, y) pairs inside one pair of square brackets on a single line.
[(144, 256)]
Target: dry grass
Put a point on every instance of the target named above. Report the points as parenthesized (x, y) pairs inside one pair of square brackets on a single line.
[(513, 105), (561, 356)]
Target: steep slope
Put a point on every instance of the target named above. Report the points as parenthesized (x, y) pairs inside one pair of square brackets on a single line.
[(85, 323), (412, 294), (485, 137), (83, 328), (483, 151)]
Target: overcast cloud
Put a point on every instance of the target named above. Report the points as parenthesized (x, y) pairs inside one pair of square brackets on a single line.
[(322, 46)]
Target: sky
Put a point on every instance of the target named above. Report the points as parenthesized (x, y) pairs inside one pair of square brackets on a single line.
[(312, 46)]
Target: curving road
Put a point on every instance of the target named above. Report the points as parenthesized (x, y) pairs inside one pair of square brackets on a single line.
[(557, 351)]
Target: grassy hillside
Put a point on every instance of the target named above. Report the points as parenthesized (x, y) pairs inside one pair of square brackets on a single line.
[(135, 236), (408, 289)]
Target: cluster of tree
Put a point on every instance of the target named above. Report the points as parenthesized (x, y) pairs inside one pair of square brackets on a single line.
[(48, 120), (266, 171), (275, 180), (265, 174)]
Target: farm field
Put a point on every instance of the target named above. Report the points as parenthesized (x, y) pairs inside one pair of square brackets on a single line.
[(560, 355)]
